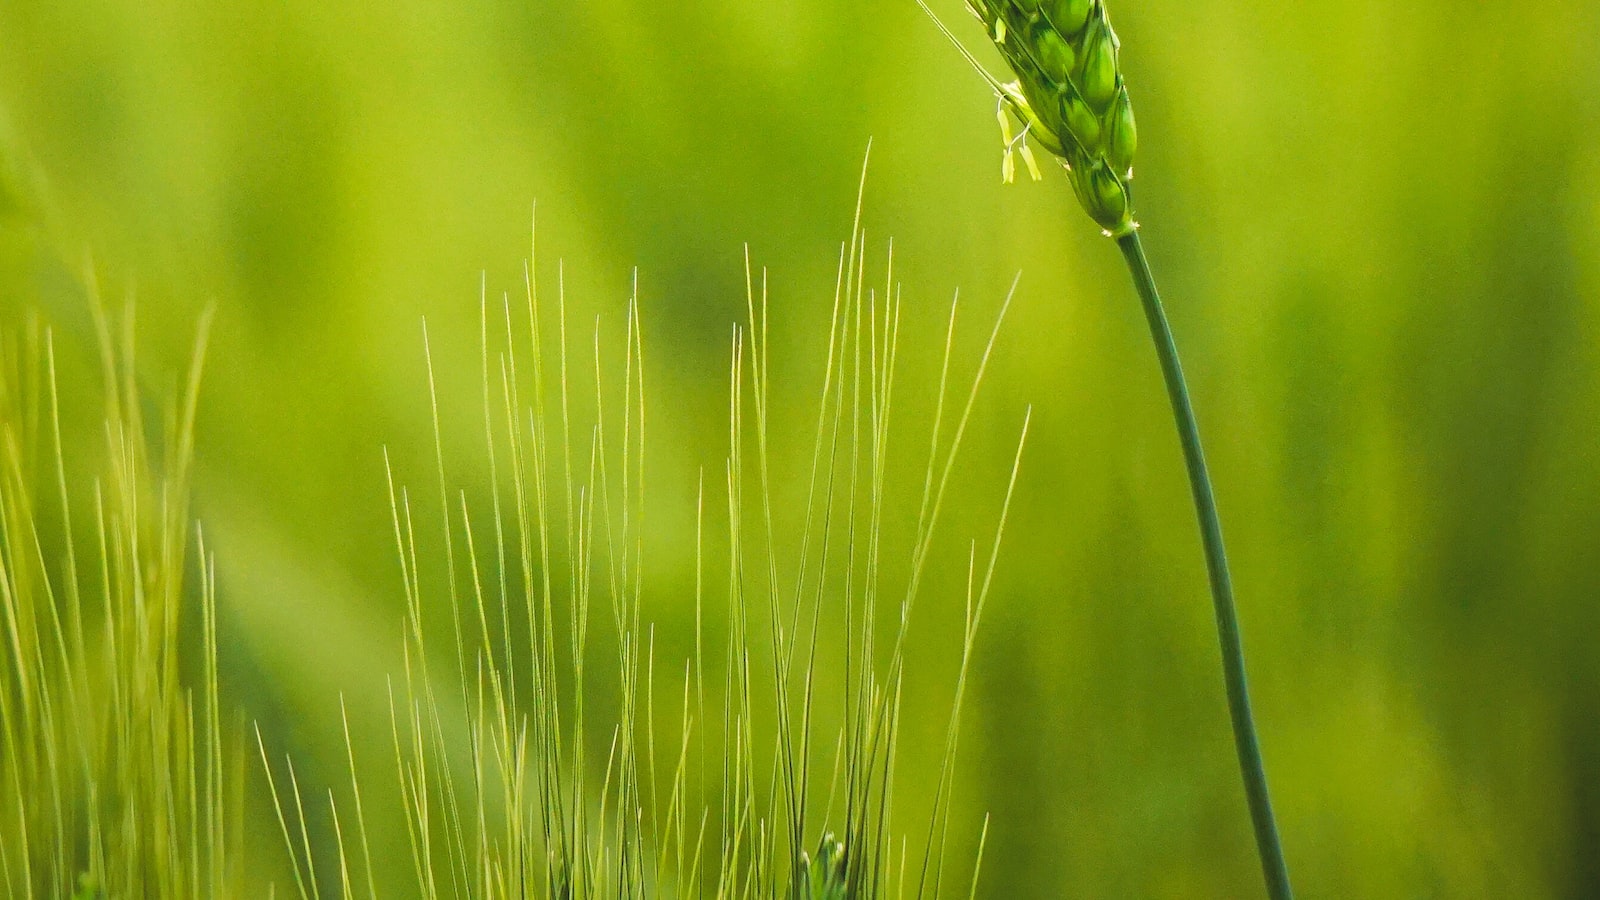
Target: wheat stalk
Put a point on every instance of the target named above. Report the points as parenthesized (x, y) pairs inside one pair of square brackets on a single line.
[(1071, 98)]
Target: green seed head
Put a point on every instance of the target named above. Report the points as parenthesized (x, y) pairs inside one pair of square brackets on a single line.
[(1070, 95), (824, 876)]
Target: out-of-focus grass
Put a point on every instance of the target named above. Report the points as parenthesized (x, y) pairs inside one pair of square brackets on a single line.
[(118, 779), (525, 723), (1379, 224)]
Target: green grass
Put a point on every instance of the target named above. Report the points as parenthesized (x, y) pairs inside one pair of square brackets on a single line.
[(116, 777), (761, 765), (1399, 404), (761, 762)]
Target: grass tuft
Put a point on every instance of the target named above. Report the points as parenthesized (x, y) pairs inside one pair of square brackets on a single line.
[(761, 768), (116, 780)]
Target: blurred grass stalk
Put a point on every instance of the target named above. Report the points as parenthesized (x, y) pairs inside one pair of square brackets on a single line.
[(113, 777), (526, 804)]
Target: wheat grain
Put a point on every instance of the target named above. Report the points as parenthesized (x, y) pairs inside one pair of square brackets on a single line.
[(1069, 95)]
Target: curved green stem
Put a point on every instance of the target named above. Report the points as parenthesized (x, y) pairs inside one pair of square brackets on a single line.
[(1205, 504)]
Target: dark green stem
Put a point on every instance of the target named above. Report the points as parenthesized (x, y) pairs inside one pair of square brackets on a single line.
[(1205, 504)]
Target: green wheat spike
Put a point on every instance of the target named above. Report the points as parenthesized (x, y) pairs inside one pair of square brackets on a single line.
[(1069, 95), (1071, 98), (825, 875)]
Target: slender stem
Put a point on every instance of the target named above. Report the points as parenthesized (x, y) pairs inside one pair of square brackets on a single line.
[(1205, 504)]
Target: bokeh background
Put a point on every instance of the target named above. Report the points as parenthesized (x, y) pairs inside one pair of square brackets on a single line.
[(1377, 225)]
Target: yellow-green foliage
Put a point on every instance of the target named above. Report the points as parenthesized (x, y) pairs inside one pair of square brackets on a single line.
[(1379, 224), (720, 771), (113, 781)]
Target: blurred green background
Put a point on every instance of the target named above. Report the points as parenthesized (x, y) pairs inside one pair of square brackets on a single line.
[(1377, 225)]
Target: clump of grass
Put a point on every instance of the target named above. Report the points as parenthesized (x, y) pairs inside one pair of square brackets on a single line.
[(764, 767), (113, 777)]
